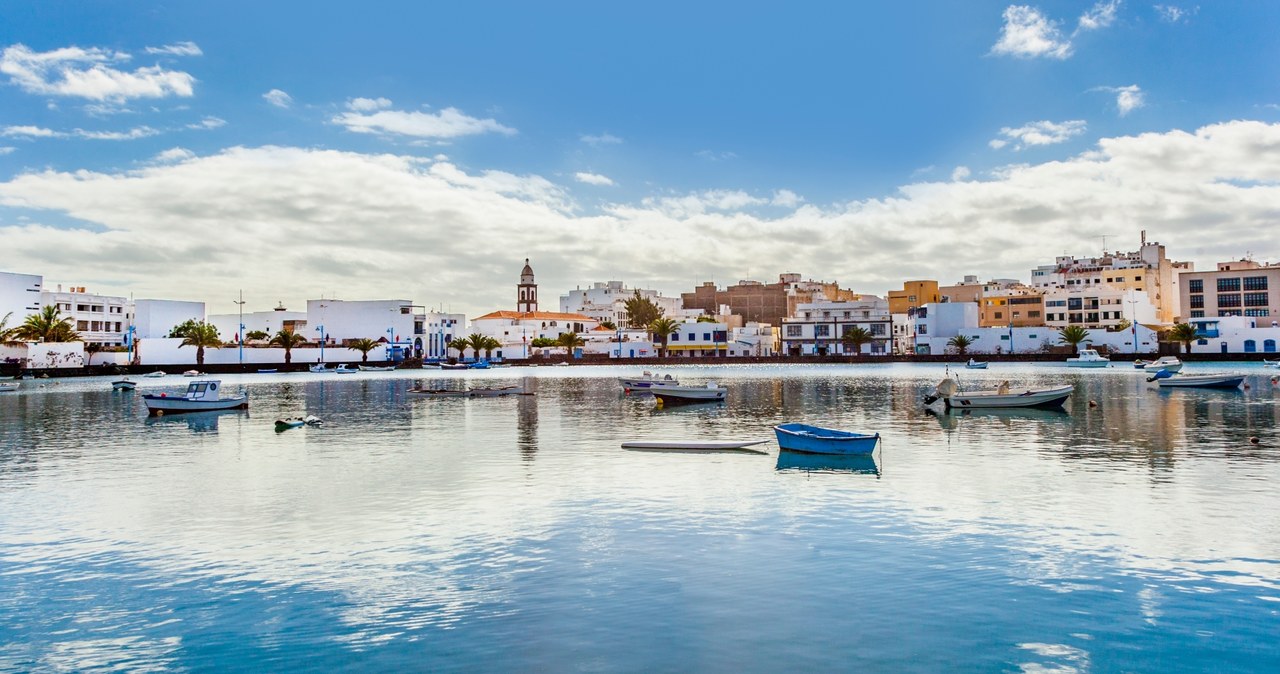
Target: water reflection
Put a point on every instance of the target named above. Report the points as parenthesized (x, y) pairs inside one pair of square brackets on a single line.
[(827, 463), (196, 422), (527, 418)]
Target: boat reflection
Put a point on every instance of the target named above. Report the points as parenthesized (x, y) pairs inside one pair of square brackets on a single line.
[(827, 463), (197, 422), (950, 419)]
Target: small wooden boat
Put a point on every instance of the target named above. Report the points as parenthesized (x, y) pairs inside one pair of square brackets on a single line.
[(687, 395), (976, 365), (155, 375), (373, 368), (201, 396), (949, 393), (1170, 363), (1089, 358), (1139, 364), (123, 385), (817, 440), (8, 387), (694, 446), (1228, 381), (646, 381)]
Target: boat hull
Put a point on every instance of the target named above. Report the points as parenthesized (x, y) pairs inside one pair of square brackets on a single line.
[(675, 396), (814, 440), (1088, 363), (157, 405), (123, 385), (1043, 399), (694, 446), (1203, 381)]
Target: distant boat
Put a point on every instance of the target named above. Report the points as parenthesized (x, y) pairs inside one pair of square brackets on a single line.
[(201, 396), (123, 385), (1139, 364), (193, 373), (647, 381), (267, 370), (8, 387), (379, 368), (1271, 363), (453, 366), (949, 393), (1228, 381), (438, 392), (976, 365), (479, 365), (817, 440), (343, 369), (1170, 363), (286, 424), (318, 368), (695, 445), (1089, 358), (468, 393), (155, 375), (686, 395)]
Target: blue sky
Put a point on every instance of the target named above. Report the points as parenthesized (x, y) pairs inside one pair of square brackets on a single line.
[(663, 143)]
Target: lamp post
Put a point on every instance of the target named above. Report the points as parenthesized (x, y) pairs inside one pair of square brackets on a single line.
[(321, 329), (240, 335), (1133, 308), (391, 334)]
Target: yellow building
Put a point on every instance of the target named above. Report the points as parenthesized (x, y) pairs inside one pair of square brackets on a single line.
[(1020, 307), (914, 294)]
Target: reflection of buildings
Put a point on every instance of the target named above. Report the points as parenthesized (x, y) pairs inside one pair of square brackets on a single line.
[(527, 419)]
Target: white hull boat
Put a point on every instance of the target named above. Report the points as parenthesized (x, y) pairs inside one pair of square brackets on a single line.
[(976, 365), (318, 368), (8, 388), (694, 446), (1229, 381), (1004, 397), (343, 369), (1170, 363), (1089, 358), (647, 381), (123, 385), (686, 395), (155, 375), (372, 368), (201, 396)]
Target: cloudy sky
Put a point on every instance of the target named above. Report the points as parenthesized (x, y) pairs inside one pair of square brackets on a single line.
[(293, 150)]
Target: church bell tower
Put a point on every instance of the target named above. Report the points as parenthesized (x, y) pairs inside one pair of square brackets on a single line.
[(527, 291)]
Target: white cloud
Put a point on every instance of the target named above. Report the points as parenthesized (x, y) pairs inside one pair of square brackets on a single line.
[(1128, 98), (269, 219), (601, 139), (278, 98), (30, 132), (1028, 34), (1038, 133), (786, 199), (7, 149), (131, 134), (592, 178), (711, 155), (960, 173), (448, 123), (176, 154), (1100, 15), (88, 73), (1175, 14), (208, 123), (177, 49)]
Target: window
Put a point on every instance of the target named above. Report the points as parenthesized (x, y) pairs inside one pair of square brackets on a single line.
[(1269, 345), (675, 336), (1092, 317), (1257, 312), (1227, 285), (1110, 280), (1228, 300), (706, 336), (1229, 312), (1195, 285), (1255, 299), (1056, 303), (1137, 278), (795, 331), (1033, 314), (1075, 303), (822, 330), (1197, 301), (922, 329), (1120, 279), (1255, 283), (922, 312), (999, 314), (1197, 314), (1250, 346), (877, 328)]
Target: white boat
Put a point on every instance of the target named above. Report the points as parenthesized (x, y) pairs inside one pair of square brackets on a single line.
[(1089, 358), (1003, 397), (201, 396), (1270, 363), (318, 368), (1227, 380), (375, 368), (976, 365), (684, 395), (123, 385), (694, 446), (155, 375), (343, 369), (647, 381), (1170, 363), (8, 387), (1139, 364), (193, 373)]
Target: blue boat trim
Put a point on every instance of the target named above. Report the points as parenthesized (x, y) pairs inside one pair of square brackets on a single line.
[(817, 440)]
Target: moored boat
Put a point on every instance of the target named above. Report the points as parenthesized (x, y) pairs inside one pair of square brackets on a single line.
[(1089, 358), (193, 373), (686, 395), (1139, 364), (453, 366), (123, 385), (817, 440), (647, 381), (8, 387), (319, 368), (949, 393), (343, 369), (1170, 363), (201, 396), (976, 364), (1228, 380), (695, 445), (155, 375), (286, 424), (267, 370), (1271, 363), (376, 368)]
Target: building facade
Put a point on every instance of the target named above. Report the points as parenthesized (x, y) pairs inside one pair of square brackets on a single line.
[(608, 302), (19, 296), (1147, 270), (913, 294), (100, 319), (1241, 288), (818, 328)]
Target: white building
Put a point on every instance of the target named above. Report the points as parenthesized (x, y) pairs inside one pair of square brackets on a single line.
[(817, 328), (153, 319), (1097, 307), (1145, 270), (699, 339), (19, 296), (937, 324), (1236, 334), (753, 339), (516, 330), (608, 302), (100, 319), (441, 328), (270, 322)]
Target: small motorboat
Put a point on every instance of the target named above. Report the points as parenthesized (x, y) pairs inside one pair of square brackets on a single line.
[(376, 368), (479, 365), (286, 424), (695, 445), (949, 393), (9, 387), (193, 373), (1170, 363), (267, 370), (201, 396), (1089, 358), (1228, 380), (343, 369), (686, 395), (976, 364), (647, 381), (1139, 364), (155, 375), (318, 368), (312, 420), (453, 366), (817, 440), (123, 385), (1271, 363)]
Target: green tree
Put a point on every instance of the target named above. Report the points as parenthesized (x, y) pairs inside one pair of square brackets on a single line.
[(489, 345), (706, 319), (287, 339), (255, 335), (961, 343), (570, 341), (1123, 325), (475, 341), (1185, 333), (856, 336), (1073, 335), (184, 328), (460, 344), (90, 349), (47, 326), (201, 335), (609, 324), (7, 337), (661, 329), (364, 345), (641, 311)]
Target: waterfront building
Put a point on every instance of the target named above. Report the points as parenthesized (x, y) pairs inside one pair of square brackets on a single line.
[(397, 322), (1007, 302), (153, 319), (607, 301), (1240, 288), (1147, 270), (938, 324), (442, 327), (270, 322), (19, 296), (100, 319), (817, 328), (757, 340), (1098, 307), (694, 339), (1236, 334), (516, 330), (913, 294), (758, 302), (968, 290)]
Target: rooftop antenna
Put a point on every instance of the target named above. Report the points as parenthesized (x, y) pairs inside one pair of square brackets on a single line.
[(1104, 243)]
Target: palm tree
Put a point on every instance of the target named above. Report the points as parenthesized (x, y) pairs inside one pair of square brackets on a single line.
[(287, 339), (90, 349), (1185, 333), (364, 345), (856, 336), (47, 326), (7, 337), (570, 341), (476, 341), (661, 329), (609, 324), (961, 343), (255, 335), (489, 345), (1073, 335), (201, 335), (641, 311), (461, 344)]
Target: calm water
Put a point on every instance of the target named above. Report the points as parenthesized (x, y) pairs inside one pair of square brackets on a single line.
[(514, 534)]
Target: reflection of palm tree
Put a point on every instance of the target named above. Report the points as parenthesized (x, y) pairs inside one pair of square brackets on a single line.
[(1185, 333), (663, 328), (287, 339), (201, 335), (856, 336), (47, 326), (1073, 335), (961, 343), (364, 345)]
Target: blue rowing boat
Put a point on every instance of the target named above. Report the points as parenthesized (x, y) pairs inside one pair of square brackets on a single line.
[(818, 440)]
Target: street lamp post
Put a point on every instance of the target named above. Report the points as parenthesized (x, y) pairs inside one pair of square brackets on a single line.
[(240, 335), (1133, 308), (391, 334), (322, 339)]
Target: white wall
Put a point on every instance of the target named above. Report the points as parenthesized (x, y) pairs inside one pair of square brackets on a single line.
[(1031, 340), (269, 322), (155, 318), (55, 355), (19, 295), (168, 352)]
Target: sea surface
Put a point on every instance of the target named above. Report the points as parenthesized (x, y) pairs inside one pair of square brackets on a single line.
[(1138, 530)]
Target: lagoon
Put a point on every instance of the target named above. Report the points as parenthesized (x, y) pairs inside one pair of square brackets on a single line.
[(1140, 534)]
